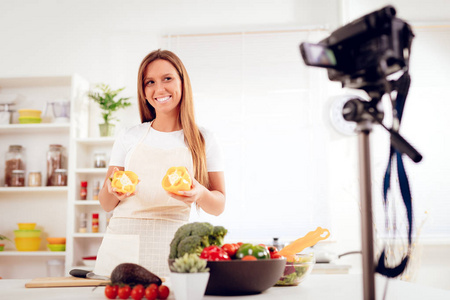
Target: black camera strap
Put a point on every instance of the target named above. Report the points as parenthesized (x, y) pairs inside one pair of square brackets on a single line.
[(402, 87)]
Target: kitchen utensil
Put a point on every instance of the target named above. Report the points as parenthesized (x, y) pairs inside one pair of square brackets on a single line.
[(86, 274), (61, 111), (28, 244), (298, 267), (31, 113), (26, 226), (310, 239), (56, 240), (45, 282), (27, 233), (57, 247), (240, 277)]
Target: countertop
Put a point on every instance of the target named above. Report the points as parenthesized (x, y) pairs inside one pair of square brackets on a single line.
[(321, 287)]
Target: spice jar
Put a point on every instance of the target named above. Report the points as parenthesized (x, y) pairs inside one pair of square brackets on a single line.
[(83, 223), (14, 160), (96, 191), (59, 177), (99, 160), (18, 178), (83, 190), (54, 161), (94, 222), (34, 179)]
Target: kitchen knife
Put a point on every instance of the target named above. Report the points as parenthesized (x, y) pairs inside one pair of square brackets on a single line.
[(87, 274)]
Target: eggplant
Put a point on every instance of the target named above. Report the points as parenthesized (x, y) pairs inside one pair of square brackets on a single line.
[(133, 274)]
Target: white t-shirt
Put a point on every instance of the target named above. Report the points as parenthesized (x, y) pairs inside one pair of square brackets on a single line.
[(129, 137)]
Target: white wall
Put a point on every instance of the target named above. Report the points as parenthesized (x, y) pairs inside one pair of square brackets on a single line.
[(104, 41)]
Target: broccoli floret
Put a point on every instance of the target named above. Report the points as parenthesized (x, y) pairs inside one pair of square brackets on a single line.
[(218, 236), (205, 235), (191, 244)]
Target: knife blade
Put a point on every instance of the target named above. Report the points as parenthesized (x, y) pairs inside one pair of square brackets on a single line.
[(87, 274)]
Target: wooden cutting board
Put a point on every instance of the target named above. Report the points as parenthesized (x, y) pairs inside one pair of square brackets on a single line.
[(45, 282)]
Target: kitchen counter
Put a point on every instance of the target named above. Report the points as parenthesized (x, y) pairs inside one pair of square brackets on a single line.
[(315, 287)]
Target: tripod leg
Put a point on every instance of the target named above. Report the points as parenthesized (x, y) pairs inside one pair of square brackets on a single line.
[(366, 215)]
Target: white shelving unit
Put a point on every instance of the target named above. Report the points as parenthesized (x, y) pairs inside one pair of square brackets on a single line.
[(52, 208), (86, 244)]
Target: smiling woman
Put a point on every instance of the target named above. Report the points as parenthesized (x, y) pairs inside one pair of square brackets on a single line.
[(145, 219)]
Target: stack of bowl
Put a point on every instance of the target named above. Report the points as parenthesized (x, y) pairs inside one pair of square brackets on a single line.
[(27, 116), (56, 243), (27, 238)]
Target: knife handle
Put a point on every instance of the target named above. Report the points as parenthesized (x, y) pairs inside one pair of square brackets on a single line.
[(78, 273)]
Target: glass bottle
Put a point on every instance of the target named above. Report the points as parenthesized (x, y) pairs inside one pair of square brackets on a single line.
[(54, 161), (99, 160), (59, 177), (34, 178), (18, 178), (14, 160)]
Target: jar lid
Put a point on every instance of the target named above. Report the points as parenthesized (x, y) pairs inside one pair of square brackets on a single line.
[(18, 171), (84, 183), (15, 147), (34, 172), (55, 146)]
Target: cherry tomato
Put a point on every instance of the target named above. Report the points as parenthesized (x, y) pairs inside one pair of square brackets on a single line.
[(230, 249), (163, 292), (137, 293), (124, 292), (275, 255), (151, 293), (111, 291), (249, 257)]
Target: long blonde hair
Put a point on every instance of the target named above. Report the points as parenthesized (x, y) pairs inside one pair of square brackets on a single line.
[(192, 135)]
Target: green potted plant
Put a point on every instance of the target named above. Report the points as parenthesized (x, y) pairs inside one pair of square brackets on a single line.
[(189, 277), (2, 246), (109, 102)]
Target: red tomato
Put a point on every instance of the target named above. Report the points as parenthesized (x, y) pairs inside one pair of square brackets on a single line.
[(124, 292), (151, 293), (163, 292), (111, 291), (275, 255), (137, 293), (230, 249), (239, 244), (249, 257)]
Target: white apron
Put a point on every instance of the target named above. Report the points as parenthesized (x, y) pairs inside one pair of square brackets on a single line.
[(142, 226)]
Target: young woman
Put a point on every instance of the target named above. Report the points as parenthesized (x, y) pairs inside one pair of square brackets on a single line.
[(144, 222)]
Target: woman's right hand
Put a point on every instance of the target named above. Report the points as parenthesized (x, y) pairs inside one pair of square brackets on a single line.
[(112, 190)]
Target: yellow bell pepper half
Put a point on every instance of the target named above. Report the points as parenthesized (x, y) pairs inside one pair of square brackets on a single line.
[(177, 179), (125, 181)]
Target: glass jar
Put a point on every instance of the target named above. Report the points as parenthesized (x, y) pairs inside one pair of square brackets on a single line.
[(59, 177), (99, 160), (18, 178), (34, 179), (83, 190), (54, 161), (14, 160), (96, 191)]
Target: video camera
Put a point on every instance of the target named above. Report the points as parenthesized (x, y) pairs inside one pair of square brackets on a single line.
[(362, 53)]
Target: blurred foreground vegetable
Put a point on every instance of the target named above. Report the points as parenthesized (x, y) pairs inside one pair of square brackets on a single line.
[(194, 237)]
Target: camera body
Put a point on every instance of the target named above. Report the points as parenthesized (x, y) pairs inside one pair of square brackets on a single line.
[(362, 53)]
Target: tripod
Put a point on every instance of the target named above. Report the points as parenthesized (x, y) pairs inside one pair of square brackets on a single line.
[(365, 114)]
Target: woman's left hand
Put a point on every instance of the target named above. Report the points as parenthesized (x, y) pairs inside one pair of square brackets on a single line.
[(189, 197)]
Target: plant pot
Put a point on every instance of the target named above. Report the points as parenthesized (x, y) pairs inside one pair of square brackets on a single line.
[(189, 286), (106, 129)]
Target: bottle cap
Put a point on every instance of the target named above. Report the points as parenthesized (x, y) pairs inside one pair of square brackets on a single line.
[(84, 184)]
